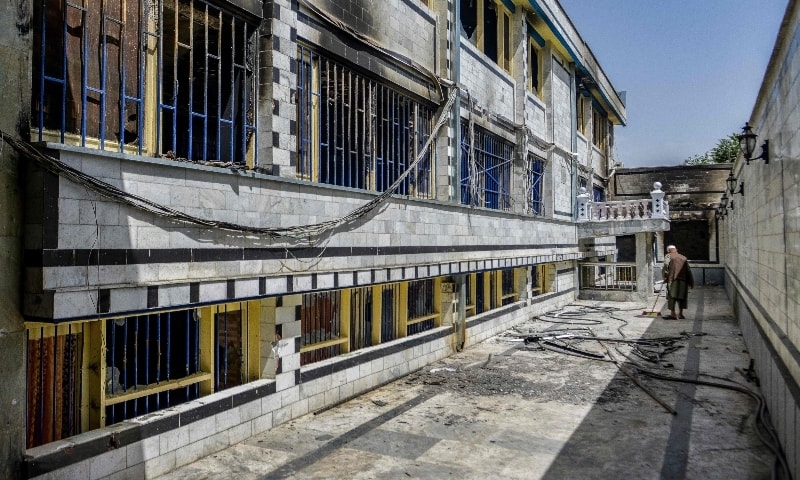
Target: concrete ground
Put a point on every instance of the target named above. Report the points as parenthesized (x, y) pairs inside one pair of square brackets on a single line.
[(510, 409)]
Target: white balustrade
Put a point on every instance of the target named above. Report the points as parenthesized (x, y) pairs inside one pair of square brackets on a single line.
[(655, 207)]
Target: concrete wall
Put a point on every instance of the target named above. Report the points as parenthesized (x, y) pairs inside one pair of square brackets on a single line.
[(15, 45), (761, 240)]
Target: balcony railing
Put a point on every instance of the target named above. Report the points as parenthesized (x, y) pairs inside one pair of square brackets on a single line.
[(639, 209), (608, 276)]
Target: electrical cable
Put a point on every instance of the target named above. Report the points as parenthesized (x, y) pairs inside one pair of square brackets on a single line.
[(762, 424), (309, 233)]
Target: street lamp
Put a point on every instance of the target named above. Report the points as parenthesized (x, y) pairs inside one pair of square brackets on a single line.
[(747, 144), (731, 181)]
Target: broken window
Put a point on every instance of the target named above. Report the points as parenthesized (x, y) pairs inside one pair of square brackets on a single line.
[(598, 193), (485, 168), (422, 309), (390, 311), (146, 355), (171, 77), (356, 132), (508, 281), (534, 68), (55, 362), (582, 117), (360, 318), (87, 375), (320, 323), (470, 308), (599, 128), (542, 278), (487, 25), (535, 172)]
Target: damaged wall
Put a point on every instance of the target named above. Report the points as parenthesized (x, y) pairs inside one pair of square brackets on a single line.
[(693, 193)]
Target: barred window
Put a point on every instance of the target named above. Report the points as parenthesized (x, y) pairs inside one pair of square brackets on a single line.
[(422, 310), (485, 169), (88, 375), (535, 176), (320, 323), (355, 132), (169, 77)]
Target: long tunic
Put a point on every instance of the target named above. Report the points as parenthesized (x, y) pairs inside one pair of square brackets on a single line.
[(678, 276)]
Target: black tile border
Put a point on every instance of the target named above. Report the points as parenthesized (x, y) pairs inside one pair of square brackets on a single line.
[(49, 258), (127, 433), (314, 373)]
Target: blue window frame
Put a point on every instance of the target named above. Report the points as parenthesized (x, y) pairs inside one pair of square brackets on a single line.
[(598, 194), (356, 132), (171, 77), (535, 176), (485, 169)]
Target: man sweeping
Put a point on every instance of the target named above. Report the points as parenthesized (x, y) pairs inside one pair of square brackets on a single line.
[(678, 277)]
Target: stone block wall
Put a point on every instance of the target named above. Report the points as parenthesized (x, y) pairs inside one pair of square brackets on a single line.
[(760, 237), (105, 258)]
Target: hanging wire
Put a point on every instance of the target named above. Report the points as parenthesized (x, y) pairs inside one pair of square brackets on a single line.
[(309, 233)]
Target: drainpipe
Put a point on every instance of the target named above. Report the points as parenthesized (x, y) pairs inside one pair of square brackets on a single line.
[(573, 92), (460, 315), (455, 122)]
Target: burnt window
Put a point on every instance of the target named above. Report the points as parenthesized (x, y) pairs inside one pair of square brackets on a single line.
[(170, 77), (535, 181), (487, 25), (357, 132), (692, 238), (485, 169)]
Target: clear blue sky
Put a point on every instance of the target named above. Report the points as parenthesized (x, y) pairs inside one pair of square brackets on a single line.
[(691, 68)]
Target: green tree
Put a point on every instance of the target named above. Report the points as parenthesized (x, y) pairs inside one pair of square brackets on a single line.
[(725, 151)]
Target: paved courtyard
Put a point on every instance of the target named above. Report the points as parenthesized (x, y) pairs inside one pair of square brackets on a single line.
[(569, 403)]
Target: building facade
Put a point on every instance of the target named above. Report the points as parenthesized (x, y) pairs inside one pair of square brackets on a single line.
[(226, 214)]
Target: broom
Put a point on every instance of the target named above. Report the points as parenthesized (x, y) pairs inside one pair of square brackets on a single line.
[(653, 312)]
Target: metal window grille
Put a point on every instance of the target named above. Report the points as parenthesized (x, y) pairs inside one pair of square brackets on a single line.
[(420, 304), (598, 194), (536, 280), (147, 350), (535, 176), (355, 132), (470, 306), (175, 77), (390, 308), (320, 322), (493, 287), (54, 383), (231, 359), (485, 169), (609, 276), (508, 289), (360, 318), (480, 305)]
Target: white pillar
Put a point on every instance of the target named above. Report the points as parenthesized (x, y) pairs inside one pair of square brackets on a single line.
[(583, 201), (659, 207)]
